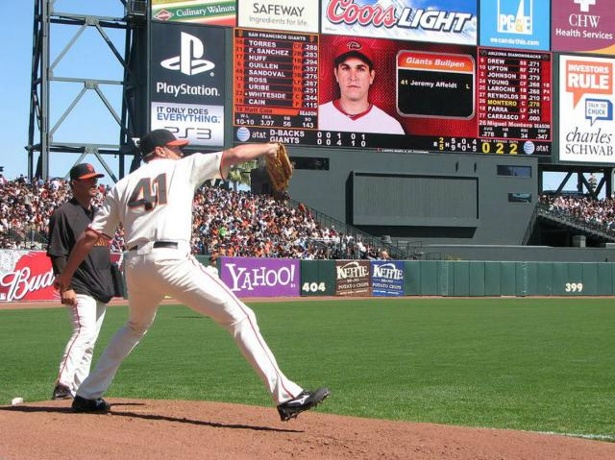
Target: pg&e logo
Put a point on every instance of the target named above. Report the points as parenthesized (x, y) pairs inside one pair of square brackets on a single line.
[(515, 16)]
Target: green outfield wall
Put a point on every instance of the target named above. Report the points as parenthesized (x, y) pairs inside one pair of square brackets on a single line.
[(453, 278), (450, 278), (32, 278), (478, 278)]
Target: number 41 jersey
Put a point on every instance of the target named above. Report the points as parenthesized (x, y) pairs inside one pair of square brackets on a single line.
[(154, 202)]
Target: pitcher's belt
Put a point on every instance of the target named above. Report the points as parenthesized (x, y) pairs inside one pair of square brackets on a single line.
[(159, 244)]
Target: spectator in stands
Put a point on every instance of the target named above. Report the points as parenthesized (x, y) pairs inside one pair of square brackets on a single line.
[(598, 214), (593, 182)]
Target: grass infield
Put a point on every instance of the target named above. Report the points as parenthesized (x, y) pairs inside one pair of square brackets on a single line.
[(526, 364)]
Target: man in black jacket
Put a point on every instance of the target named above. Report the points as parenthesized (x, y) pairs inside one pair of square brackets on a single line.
[(92, 286)]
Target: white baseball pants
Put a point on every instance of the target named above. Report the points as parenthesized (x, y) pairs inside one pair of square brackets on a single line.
[(151, 274), (86, 319)]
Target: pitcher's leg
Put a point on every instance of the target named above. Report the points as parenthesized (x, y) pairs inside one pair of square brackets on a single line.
[(211, 297), (254, 348), (143, 304)]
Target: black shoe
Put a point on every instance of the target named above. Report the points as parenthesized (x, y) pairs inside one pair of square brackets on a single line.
[(61, 392), (90, 405), (305, 401)]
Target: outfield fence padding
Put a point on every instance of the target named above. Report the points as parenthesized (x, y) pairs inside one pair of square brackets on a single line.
[(520, 279), (27, 276)]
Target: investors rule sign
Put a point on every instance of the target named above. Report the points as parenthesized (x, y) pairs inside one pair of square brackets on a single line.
[(586, 94)]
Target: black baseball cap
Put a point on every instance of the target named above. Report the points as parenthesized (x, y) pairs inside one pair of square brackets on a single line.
[(83, 171), (159, 138)]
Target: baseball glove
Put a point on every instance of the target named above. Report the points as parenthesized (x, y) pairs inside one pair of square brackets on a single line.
[(279, 168)]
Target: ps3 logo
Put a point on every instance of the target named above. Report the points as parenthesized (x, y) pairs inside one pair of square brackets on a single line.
[(189, 61), (191, 133)]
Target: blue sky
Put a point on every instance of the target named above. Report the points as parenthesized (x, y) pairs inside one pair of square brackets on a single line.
[(15, 36), (89, 57)]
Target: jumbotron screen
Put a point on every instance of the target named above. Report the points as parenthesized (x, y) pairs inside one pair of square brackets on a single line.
[(307, 90)]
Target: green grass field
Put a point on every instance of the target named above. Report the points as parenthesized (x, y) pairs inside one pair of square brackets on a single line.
[(528, 364)]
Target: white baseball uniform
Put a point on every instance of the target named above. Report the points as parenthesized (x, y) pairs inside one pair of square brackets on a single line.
[(154, 203), (374, 120)]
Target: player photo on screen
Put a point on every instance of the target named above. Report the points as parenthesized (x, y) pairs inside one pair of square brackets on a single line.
[(392, 87), (354, 71)]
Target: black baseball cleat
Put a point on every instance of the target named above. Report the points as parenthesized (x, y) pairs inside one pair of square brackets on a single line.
[(305, 401), (90, 405), (61, 392)]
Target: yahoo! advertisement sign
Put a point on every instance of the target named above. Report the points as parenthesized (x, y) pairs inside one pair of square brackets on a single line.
[(261, 277)]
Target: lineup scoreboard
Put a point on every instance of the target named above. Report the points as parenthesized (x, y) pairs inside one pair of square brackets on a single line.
[(448, 98), (514, 96), (276, 79)]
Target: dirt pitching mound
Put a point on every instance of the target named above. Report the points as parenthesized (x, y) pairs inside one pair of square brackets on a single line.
[(145, 429)]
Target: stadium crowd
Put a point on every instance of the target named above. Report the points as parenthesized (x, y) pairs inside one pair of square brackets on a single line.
[(225, 223), (241, 223), (599, 214)]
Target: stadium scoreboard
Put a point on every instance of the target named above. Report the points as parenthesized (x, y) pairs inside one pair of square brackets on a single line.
[(483, 100), (514, 96), (276, 80)]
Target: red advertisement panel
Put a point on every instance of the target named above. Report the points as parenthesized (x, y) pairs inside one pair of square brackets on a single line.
[(27, 276)]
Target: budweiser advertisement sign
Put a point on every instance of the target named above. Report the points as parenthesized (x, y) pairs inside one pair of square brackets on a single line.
[(26, 276)]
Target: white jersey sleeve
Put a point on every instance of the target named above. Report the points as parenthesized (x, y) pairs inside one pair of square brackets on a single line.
[(154, 202), (375, 120)]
